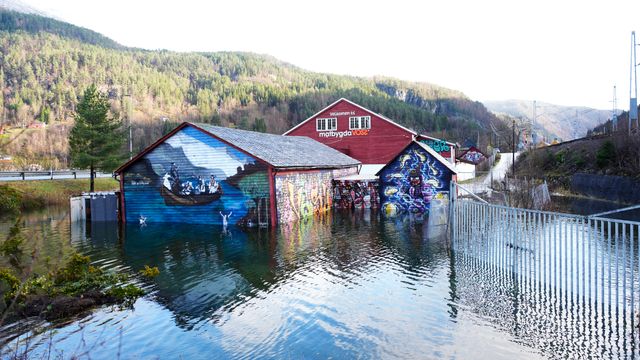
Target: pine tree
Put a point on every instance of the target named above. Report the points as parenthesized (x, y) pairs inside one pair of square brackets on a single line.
[(96, 139)]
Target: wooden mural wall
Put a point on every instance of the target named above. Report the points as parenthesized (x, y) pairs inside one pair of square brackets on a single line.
[(193, 177), (302, 194), (412, 181)]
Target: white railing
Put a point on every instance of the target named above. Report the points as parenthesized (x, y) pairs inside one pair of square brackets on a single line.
[(587, 265)]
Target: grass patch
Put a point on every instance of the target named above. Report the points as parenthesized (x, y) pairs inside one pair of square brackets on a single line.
[(37, 193)]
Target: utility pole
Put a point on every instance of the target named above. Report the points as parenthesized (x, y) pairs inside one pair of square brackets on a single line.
[(614, 117), (513, 152), (533, 124), (128, 119), (633, 84)]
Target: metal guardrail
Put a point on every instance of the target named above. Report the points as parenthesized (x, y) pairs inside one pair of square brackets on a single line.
[(586, 262), (42, 175)]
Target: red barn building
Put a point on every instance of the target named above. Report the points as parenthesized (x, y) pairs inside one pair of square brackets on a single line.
[(371, 138)]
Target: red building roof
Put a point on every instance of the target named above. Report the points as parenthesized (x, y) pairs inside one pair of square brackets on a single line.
[(359, 132)]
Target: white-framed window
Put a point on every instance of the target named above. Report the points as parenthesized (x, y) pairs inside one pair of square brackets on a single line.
[(326, 124), (359, 122)]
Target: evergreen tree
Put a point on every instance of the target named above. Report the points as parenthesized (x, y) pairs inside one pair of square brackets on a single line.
[(96, 139)]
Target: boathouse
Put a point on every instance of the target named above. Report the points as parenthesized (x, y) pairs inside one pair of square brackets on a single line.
[(468, 161), (416, 178), (364, 135), (200, 173)]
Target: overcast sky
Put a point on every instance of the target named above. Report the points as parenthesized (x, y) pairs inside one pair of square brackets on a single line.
[(557, 51)]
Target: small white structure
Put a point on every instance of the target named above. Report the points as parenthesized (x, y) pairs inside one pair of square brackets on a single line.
[(465, 170)]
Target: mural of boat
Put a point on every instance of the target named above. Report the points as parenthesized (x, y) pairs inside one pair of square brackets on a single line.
[(173, 199)]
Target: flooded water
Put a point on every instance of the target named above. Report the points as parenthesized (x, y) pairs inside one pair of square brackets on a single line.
[(349, 285)]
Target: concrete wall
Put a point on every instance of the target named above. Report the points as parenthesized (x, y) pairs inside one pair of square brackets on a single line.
[(613, 188)]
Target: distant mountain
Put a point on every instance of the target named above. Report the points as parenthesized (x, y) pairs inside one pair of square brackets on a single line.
[(19, 6), (16, 16), (552, 121), (46, 64)]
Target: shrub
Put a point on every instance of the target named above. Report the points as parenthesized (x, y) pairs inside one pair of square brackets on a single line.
[(10, 200), (150, 272), (606, 154)]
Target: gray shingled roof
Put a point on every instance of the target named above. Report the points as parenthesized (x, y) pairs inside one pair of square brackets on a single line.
[(283, 151)]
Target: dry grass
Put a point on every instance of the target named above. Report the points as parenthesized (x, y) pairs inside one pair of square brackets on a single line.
[(56, 192)]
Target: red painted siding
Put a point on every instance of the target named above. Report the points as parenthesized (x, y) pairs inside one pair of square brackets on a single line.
[(377, 146)]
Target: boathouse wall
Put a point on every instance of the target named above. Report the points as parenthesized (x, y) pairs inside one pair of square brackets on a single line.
[(222, 179)]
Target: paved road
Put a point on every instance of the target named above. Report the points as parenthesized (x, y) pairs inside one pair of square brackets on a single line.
[(11, 176), (499, 171)]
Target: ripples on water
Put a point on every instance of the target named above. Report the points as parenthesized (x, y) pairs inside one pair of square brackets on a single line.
[(343, 286)]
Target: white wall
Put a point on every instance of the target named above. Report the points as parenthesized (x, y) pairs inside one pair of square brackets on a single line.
[(466, 171)]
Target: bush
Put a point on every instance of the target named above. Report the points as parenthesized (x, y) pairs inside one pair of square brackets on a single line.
[(10, 200), (606, 154)]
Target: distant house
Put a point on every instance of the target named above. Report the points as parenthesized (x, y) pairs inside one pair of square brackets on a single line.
[(414, 179), (200, 173), (364, 135), (468, 161)]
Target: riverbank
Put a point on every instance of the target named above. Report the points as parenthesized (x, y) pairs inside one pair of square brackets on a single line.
[(18, 196)]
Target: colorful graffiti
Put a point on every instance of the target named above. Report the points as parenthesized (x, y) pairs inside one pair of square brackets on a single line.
[(355, 194), (302, 194), (192, 177), (412, 180), (473, 156), (437, 145)]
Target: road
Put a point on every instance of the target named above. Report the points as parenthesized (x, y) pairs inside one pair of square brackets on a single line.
[(44, 175), (499, 171)]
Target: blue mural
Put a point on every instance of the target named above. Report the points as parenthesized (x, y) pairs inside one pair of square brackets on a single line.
[(411, 181), (195, 178)]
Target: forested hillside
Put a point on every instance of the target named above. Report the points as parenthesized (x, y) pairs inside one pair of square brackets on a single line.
[(45, 71)]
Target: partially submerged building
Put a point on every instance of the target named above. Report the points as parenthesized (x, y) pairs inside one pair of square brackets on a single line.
[(369, 137), (200, 173), (415, 179)]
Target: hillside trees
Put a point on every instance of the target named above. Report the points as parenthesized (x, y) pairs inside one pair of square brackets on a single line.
[(44, 72)]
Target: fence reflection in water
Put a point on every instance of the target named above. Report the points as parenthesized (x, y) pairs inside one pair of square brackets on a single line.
[(578, 274)]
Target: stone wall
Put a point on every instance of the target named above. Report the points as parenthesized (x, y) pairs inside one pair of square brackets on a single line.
[(613, 188)]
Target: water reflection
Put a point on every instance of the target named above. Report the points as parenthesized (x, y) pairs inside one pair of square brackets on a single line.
[(349, 284)]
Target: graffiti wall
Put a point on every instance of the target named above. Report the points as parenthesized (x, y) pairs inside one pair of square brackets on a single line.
[(412, 181), (194, 178), (302, 194), (473, 156), (356, 194)]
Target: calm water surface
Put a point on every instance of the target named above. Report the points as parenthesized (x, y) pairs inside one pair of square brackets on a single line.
[(349, 285)]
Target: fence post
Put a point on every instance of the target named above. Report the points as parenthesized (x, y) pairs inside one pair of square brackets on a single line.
[(451, 213)]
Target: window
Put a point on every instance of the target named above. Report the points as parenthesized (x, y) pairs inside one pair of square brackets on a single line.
[(325, 124), (359, 122)]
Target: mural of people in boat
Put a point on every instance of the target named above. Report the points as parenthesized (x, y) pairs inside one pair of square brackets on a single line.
[(411, 181), (189, 191), (192, 177)]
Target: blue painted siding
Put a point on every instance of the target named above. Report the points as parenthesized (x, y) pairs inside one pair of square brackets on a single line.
[(412, 181), (173, 183)]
